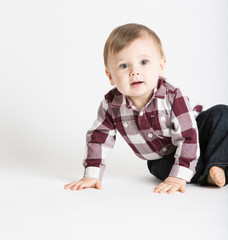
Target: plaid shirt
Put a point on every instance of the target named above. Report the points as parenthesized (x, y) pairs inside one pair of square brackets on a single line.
[(164, 126)]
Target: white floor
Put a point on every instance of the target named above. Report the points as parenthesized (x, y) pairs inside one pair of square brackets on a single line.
[(34, 205)]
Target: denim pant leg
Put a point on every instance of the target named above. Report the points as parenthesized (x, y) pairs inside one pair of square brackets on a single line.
[(213, 137), (161, 168)]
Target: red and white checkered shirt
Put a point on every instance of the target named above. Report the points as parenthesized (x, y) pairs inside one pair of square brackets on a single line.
[(165, 125)]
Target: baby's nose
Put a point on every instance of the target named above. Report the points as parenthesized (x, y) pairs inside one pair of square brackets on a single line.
[(134, 72)]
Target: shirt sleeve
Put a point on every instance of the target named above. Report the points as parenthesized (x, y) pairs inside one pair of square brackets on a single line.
[(99, 139), (184, 135)]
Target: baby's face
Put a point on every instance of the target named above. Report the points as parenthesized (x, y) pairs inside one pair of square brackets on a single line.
[(136, 68)]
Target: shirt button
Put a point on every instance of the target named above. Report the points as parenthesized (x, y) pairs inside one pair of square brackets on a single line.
[(162, 118), (141, 113), (125, 125), (164, 149), (150, 135)]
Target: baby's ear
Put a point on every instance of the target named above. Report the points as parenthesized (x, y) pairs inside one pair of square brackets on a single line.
[(162, 66), (109, 77)]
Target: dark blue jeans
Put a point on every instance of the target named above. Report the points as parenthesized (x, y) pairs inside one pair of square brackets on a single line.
[(213, 138)]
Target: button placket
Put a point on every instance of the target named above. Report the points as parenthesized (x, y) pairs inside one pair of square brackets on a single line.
[(150, 135), (142, 120), (162, 118), (164, 149)]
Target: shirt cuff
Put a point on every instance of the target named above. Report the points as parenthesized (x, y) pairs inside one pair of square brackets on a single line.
[(181, 172), (92, 172)]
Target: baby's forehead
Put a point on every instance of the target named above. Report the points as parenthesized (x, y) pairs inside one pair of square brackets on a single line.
[(121, 45), (142, 45)]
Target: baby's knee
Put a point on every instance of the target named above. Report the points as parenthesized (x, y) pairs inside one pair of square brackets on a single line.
[(219, 111)]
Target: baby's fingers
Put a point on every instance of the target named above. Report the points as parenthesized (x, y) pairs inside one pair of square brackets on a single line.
[(89, 184), (98, 185), (70, 185), (82, 186), (161, 188), (174, 189), (164, 188), (85, 184), (74, 186), (182, 189)]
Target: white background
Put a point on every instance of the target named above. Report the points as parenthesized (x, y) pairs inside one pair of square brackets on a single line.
[(52, 80)]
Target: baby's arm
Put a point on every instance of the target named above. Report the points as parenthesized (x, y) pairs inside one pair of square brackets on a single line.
[(84, 183), (171, 185), (184, 136)]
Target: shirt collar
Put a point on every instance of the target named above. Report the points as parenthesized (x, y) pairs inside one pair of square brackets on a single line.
[(160, 89), (159, 92)]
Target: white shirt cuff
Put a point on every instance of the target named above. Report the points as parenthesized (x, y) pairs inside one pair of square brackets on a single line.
[(92, 172), (181, 172)]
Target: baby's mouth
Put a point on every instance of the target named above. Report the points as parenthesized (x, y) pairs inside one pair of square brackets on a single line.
[(136, 83)]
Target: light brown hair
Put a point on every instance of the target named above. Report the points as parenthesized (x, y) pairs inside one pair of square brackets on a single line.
[(123, 35)]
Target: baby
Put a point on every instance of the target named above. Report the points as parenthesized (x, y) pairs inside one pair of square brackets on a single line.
[(180, 144)]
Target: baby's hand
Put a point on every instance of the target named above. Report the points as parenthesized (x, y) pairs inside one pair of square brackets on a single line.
[(84, 183), (171, 185)]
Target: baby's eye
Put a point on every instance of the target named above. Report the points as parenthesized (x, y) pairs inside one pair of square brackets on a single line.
[(124, 65), (144, 62)]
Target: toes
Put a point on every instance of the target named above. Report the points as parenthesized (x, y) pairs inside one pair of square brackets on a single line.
[(213, 170), (220, 182), (217, 176)]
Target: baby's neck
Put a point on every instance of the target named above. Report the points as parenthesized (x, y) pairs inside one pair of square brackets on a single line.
[(140, 102), (139, 105)]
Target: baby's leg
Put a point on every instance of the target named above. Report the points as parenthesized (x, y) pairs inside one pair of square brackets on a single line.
[(216, 176), (213, 137)]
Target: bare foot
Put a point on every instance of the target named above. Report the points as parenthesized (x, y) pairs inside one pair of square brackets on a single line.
[(216, 176)]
